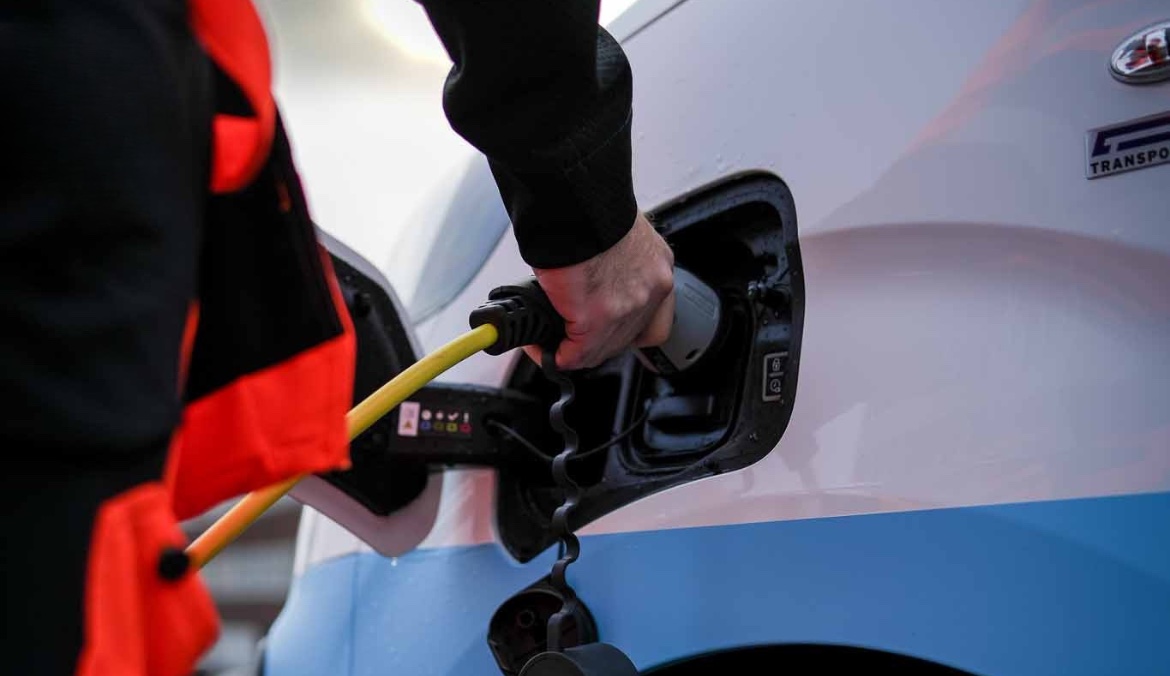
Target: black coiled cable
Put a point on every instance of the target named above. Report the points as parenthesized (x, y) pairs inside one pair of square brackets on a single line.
[(560, 527)]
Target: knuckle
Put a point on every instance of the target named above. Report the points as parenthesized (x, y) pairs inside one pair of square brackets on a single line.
[(664, 280), (641, 296), (614, 308)]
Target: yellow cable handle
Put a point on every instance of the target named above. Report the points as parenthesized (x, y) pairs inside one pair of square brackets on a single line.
[(245, 512)]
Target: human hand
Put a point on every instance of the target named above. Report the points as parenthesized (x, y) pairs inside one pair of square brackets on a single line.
[(620, 298)]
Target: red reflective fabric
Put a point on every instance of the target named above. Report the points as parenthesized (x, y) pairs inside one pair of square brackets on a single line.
[(287, 419), (137, 622), (269, 425), (233, 36)]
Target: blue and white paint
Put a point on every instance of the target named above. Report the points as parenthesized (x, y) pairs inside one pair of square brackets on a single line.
[(1064, 587)]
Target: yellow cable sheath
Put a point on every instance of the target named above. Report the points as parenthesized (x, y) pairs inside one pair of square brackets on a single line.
[(416, 376), (244, 513)]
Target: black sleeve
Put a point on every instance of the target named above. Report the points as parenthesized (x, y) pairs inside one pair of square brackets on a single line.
[(545, 94)]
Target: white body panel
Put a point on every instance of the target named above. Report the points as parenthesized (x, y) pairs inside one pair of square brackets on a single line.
[(983, 324)]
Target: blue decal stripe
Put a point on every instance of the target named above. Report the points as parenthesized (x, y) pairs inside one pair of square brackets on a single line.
[(314, 632), (1065, 587)]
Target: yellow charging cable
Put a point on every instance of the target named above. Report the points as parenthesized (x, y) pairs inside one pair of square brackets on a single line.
[(244, 513)]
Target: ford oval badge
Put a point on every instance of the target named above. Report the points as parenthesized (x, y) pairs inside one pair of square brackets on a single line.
[(1143, 57)]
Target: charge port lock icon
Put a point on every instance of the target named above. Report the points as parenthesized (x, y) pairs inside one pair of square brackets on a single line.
[(774, 368)]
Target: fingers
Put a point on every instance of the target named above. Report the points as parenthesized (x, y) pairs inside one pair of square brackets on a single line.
[(571, 355), (649, 324), (621, 298), (575, 351), (585, 350)]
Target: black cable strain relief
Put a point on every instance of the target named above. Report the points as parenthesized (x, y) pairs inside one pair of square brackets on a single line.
[(173, 564), (523, 315)]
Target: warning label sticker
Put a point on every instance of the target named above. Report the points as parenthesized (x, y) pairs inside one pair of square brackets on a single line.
[(408, 419)]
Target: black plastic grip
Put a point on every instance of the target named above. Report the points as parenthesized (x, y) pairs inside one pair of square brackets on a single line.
[(523, 315)]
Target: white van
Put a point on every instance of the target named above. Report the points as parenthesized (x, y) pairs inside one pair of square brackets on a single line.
[(935, 437)]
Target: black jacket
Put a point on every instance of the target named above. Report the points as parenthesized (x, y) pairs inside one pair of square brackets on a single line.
[(545, 94), (107, 235)]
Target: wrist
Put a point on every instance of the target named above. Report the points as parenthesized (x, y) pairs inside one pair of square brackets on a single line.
[(562, 217)]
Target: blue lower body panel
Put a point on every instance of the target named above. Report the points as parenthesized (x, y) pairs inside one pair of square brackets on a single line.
[(1064, 587)]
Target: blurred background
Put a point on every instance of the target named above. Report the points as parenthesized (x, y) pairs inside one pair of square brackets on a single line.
[(359, 83)]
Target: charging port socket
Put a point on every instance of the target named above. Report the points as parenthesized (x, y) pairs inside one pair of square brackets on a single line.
[(646, 432)]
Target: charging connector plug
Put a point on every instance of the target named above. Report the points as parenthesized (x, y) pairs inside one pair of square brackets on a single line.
[(522, 315)]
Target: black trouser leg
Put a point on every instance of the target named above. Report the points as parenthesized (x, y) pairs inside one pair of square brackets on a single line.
[(104, 136)]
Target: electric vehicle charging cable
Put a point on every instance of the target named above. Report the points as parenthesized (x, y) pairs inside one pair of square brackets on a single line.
[(513, 316), (245, 512)]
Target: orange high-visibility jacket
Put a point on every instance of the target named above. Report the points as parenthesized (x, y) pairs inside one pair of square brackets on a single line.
[(268, 361)]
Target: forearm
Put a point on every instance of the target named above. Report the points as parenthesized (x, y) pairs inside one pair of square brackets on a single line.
[(545, 94)]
